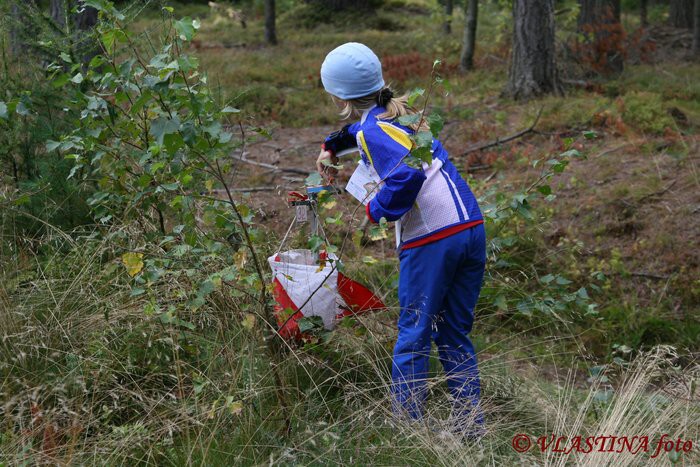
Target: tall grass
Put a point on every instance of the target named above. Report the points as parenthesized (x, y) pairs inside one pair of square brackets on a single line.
[(90, 376)]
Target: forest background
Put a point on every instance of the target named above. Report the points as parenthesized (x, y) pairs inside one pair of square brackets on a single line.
[(146, 150)]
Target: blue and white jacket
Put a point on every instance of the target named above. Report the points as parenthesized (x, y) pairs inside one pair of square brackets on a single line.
[(432, 202)]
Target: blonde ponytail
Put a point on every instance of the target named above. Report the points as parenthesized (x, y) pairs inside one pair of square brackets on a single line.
[(395, 107)]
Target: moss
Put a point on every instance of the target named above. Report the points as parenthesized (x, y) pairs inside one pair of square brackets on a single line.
[(646, 112)]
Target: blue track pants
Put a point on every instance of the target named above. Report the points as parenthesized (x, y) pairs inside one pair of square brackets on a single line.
[(439, 285)]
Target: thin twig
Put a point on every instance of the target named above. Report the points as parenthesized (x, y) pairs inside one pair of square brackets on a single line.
[(272, 167), (499, 141), (493, 174), (252, 189), (658, 193), (649, 275)]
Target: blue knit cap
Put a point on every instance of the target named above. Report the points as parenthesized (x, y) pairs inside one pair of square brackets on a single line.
[(351, 71)]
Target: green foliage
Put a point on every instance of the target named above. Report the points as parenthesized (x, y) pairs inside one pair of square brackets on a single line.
[(341, 13), (550, 296), (646, 112), (31, 117), (150, 138)]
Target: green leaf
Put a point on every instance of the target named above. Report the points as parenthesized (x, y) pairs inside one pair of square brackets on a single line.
[(214, 129), (60, 80), (185, 28), (547, 279), (229, 110), (545, 189), (173, 142), (187, 63), (410, 119), (111, 37), (315, 243), (563, 281), (436, 124), (424, 139), (309, 323), (96, 61), (314, 179), (163, 126), (170, 186), (77, 79), (423, 154), (22, 109), (3, 110), (205, 288), (415, 94), (525, 308)]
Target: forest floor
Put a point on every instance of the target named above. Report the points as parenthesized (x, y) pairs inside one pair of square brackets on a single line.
[(622, 225)]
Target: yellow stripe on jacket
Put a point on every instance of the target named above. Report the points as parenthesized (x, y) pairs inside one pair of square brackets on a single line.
[(396, 134), (361, 137)]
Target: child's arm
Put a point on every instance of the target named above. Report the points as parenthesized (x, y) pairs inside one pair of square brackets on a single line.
[(341, 140), (401, 182), (333, 146)]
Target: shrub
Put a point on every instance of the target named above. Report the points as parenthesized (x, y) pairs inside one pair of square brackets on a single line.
[(645, 112)]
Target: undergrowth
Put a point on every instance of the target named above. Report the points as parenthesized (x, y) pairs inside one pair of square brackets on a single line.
[(145, 336)]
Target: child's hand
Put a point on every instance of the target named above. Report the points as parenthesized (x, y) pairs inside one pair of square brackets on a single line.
[(326, 157)]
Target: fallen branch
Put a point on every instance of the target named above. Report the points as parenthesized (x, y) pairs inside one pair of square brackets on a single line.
[(650, 276), (477, 168), (293, 170), (658, 193), (493, 174), (247, 190), (499, 141), (611, 150)]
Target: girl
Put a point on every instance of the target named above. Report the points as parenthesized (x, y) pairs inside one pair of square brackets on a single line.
[(442, 248)]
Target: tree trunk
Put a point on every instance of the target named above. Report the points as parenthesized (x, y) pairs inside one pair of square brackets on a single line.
[(696, 30), (681, 14), (20, 26), (58, 12), (85, 20), (270, 34), (447, 25), (466, 60), (599, 23), (533, 70), (643, 17)]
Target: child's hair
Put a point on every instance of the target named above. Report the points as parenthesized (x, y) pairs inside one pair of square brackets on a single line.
[(395, 107)]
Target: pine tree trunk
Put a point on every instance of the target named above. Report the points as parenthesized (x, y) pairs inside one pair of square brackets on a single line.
[(58, 12), (466, 60), (447, 25), (20, 27), (681, 14), (533, 69), (599, 22), (270, 34), (85, 20), (643, 17), (696, 30)]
